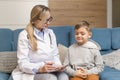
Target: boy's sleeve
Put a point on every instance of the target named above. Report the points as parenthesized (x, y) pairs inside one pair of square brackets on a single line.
[(99, 66)]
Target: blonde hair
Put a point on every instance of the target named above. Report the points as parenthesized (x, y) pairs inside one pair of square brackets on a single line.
[(36, 12)]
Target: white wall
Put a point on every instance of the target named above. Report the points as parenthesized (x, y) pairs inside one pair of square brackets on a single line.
[(15, 13)]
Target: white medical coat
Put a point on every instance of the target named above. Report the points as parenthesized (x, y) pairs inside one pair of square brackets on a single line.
[(29, 60)]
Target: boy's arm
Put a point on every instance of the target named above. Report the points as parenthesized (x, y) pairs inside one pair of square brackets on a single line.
[(68, 68), (98, 63)]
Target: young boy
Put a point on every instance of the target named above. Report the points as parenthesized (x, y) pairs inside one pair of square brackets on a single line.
[(83, 59)]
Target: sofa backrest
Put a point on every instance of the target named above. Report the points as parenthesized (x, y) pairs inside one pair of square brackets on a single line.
[(15, 38), (6, 37), (103, 37), (63, 35), (115, 38), (108, 39)]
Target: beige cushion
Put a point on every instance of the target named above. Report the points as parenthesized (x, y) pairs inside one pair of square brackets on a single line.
[(8, 61), (62, 51), (112, 59)]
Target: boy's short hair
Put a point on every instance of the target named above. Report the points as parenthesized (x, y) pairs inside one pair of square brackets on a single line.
[(84, 24)]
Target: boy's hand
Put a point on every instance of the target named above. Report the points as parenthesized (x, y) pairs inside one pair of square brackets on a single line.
[(81, 72)]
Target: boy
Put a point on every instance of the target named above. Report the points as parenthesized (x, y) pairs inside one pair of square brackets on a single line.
[(84, 58)]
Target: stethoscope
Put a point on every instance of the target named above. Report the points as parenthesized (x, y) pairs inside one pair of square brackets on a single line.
[(51, 43)]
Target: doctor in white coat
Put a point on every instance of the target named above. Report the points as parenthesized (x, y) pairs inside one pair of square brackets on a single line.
[(37, 52)]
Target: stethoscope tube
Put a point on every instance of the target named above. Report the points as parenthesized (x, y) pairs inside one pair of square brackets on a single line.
[(50, 40)]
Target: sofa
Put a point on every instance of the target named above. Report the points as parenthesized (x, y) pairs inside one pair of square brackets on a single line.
[(109, 40)]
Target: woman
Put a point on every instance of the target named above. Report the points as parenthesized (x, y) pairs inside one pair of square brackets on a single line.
[(37, 51)]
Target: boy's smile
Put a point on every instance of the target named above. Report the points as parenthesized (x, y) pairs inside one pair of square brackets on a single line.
[(82, 35)]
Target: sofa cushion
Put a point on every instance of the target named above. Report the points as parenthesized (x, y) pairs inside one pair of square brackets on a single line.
[(63, 50), (110, 74), (8, 61), (6, 36), (103, 37), (115, 38), (4, 76), (112, 59)]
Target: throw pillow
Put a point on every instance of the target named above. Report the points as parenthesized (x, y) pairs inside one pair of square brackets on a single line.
[(8, 61), (112, 59), (62, 51)]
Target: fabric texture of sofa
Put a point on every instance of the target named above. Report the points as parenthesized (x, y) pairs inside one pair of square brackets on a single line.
[(109, 40)]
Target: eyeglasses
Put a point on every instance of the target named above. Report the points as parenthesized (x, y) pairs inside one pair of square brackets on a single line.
[(47, 20)]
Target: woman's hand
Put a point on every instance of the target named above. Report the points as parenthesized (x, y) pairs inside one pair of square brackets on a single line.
[(48, 67), (60, 68)]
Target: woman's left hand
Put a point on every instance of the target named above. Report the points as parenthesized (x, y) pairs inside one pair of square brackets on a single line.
[(61, 68)]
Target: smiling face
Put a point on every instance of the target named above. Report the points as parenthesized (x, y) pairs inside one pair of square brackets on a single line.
[(82, 35)]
